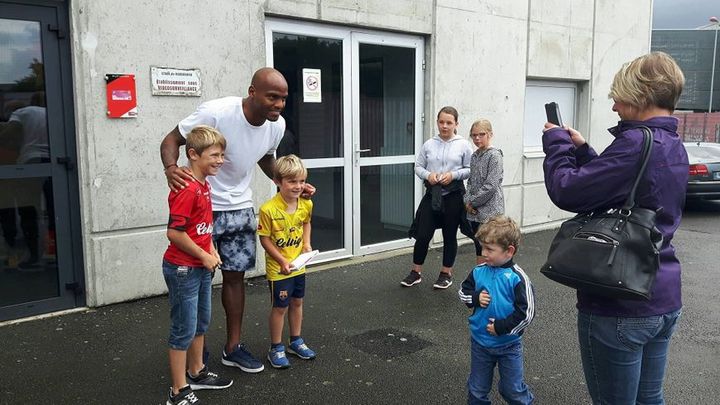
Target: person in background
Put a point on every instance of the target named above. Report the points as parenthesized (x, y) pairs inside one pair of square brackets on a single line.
[(623, 343), (484, 197), (502, 299), (442, 163)]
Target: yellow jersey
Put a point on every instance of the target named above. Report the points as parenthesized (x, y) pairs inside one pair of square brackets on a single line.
[(285, 230)]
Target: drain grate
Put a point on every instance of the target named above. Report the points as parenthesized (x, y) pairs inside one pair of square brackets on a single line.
[(388, 343)]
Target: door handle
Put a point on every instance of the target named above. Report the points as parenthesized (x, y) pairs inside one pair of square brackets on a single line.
[(357, 155), (64, 160)]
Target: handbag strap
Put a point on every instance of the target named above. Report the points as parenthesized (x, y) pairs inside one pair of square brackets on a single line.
[(646, 151)]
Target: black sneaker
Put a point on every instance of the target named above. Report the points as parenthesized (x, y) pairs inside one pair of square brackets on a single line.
[(444, 281), (413, 278), (186, 396), (207, 380)]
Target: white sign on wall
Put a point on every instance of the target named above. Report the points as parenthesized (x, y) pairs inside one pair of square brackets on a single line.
[(175, 82), (537, 93), (312, 92)]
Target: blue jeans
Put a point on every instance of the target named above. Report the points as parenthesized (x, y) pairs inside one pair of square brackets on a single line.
[(511, 385), (624, 358), (189, 291)]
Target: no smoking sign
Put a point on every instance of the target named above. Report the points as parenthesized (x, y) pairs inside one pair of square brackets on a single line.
[(312, 79)]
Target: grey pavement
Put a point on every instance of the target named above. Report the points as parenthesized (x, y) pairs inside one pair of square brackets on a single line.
[(377, 343)]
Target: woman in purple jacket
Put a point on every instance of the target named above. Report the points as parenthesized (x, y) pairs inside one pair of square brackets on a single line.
[(623, 343)]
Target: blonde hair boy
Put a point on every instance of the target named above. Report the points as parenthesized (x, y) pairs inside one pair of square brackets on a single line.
[(284, 230), (202, 137), (500, 230), (289, 166), (496, 331)]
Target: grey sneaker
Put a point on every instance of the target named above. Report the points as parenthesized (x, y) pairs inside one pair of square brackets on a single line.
[(444, 281), (206, 380), (413, 278)]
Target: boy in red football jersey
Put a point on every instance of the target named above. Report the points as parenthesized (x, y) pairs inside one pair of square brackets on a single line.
[(188, 266)]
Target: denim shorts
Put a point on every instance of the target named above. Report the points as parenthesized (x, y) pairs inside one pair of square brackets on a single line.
[(282, 290), (234, 236), (189, 291)]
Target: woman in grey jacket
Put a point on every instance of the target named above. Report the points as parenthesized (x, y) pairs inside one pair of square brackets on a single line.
[(484, 198), (443, 163)]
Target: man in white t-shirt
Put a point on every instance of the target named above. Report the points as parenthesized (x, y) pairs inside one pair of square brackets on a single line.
[(253, 129)]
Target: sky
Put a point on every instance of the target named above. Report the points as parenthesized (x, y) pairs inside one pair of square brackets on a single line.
[(19, 44), (684, 13)]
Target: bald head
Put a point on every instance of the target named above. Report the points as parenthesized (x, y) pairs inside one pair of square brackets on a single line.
[(268, 77), (266, 96)]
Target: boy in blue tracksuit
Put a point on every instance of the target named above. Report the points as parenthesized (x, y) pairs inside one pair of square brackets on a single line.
[(500, 294)]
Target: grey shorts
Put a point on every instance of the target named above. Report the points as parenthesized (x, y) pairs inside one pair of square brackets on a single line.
[(234, 236)]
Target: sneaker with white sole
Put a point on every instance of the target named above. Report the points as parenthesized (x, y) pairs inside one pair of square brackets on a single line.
[(413, 278), (444, 281), (300, 349), (277, 358), (242, 359), (206, 380), (185, 396)]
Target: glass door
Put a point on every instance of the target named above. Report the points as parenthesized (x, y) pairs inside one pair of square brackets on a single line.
[(353, 115), (317, 122), (387, 108), (36, 260)]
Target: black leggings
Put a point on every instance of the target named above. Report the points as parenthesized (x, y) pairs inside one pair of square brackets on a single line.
[(478, 247), (428, 220)]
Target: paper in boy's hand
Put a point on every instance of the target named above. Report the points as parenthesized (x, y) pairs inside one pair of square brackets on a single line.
[(302, 260)]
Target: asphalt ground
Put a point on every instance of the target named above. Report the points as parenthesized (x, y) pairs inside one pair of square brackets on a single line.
[(377, 342)]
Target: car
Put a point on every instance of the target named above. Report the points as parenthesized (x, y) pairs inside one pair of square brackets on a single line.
[(704, 180)]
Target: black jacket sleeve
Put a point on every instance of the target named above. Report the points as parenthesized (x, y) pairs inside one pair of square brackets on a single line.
[(467, 292)]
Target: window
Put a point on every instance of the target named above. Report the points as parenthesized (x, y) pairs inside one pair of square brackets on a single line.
[(537, 94)]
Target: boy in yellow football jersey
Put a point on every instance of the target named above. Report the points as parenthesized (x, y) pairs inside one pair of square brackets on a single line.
[(284, 231)]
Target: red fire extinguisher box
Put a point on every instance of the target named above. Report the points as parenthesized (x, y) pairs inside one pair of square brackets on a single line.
[(121, 96)]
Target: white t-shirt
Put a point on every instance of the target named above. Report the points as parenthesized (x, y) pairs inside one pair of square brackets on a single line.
[(35, 135), (246, 144)]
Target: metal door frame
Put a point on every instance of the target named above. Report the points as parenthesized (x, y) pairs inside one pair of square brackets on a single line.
[(394, 40), (55, 36), (351, 161)]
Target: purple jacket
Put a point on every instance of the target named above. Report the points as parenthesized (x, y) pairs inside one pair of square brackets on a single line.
[(580, 180)]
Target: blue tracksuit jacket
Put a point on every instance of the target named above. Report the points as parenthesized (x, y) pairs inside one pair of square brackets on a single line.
[(512, 303)]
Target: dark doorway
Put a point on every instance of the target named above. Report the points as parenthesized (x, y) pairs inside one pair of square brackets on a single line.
[(40, 254)]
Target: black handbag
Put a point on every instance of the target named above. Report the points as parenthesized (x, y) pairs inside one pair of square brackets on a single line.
[(613, 253)]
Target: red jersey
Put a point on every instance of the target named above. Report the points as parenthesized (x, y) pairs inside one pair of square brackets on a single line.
[(190, 212)]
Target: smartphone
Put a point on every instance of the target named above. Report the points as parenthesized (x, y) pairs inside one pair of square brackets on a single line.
[(552, 110)]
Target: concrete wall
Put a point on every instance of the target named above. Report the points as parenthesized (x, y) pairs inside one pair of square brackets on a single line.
[(479, 55), (123, 186), (591, 45)]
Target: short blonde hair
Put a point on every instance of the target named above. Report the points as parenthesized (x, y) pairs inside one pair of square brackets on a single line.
[(289, 166), (202, 137), (500, 230), (650, 80), (483, 125)]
